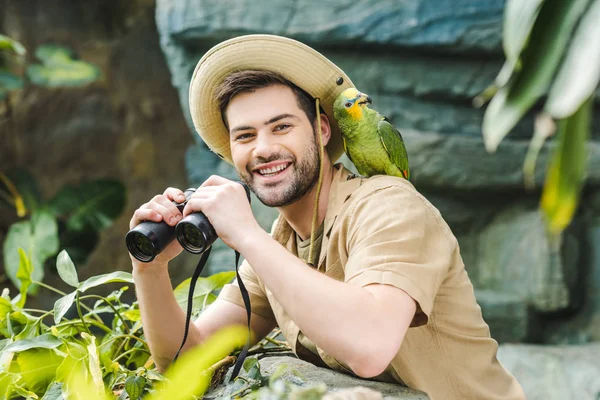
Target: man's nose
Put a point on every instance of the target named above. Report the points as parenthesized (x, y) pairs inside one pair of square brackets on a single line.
[(265, 145)]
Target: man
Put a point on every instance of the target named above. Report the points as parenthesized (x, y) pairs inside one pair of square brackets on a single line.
[(388, 297)]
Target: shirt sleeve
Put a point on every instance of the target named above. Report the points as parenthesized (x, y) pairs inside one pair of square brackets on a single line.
[(396, 237), (258, 299)]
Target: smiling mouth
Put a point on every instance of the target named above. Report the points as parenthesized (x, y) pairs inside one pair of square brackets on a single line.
[(268, 172)]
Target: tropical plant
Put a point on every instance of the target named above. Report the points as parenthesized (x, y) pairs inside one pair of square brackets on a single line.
[(42, 355), (58, 67), (552, 50), (72, 219)]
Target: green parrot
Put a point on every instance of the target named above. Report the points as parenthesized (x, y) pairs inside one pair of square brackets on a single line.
[(370, 140)]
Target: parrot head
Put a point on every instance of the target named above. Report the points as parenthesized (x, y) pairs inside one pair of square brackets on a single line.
[(350, 104)]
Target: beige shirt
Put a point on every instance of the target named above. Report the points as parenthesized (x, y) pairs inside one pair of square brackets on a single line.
[(381, 230)]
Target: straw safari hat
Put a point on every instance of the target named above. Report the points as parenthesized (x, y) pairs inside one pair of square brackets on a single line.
[(297, 62)]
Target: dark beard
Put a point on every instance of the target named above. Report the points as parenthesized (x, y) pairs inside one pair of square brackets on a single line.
[(305, 177)]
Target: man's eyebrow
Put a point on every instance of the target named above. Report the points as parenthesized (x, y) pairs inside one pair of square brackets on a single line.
[(274, 119), (281, 116), (240, 128)]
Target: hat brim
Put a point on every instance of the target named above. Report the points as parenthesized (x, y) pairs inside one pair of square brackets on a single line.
[(297, 62)]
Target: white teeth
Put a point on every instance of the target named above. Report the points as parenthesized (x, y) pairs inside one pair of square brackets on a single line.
[(272, 170)]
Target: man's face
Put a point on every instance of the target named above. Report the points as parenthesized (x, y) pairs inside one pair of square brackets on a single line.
[(273, 145)]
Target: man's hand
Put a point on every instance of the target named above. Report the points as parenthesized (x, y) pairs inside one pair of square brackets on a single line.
[(226, 206), (160, 208)]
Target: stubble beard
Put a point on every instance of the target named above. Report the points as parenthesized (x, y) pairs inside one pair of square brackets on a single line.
[(304, 178)]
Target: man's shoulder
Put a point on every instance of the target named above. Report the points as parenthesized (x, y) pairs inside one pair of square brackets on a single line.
[(386, 188)]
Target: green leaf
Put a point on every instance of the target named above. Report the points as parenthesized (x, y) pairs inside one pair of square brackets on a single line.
[(7, 382), (66, 269), (27, 187), (252, 368), (24, 276), (132, 315), (117, 276), (38, 368), (24, 393), (204, 287), (38, 237), (519, 17), (189, 375), (31, 330), (74, 363), (10, 81), (16, 322), (94, 360), (134, 385), (6, 358), (566, 169), (60, 70), (45, 341), (7, 43), (80, 388), (579, 74), (5, 308), (54, 392), (62, 305), (549, 38), (93, 204), (53, 54)]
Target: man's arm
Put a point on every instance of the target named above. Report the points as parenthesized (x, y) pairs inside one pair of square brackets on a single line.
[(362, 327), (164, 321), (368, 323), (162, 318)]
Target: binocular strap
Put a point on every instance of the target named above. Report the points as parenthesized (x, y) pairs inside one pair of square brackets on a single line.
[(245, 296)]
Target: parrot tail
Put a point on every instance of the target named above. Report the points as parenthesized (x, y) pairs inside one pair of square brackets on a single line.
[(315, 216)]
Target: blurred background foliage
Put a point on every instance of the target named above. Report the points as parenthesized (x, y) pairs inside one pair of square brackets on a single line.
[(73, 218), (552, 51)]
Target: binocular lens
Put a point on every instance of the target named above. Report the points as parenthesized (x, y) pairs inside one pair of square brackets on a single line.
[(140, 246), (191, 237)]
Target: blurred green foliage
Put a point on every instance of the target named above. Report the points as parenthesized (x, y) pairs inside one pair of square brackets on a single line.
[(72, 219), (552, 50), (76, 215), (58, 67)]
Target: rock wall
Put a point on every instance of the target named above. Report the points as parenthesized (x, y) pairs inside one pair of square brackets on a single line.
[(422, 62)]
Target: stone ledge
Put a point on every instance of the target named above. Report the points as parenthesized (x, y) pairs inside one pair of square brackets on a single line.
[(335, 381)]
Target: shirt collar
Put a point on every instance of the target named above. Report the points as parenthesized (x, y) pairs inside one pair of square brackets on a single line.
[(342, 186)]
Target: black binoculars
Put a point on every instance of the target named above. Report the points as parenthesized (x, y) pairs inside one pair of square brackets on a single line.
[(195, 233)]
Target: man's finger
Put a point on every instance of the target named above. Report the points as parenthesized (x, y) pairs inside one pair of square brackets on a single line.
[(144, 214), (215, 180), (174, 194), (193, 205)]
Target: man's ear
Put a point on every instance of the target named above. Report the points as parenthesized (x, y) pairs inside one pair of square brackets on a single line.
[(325, 129)]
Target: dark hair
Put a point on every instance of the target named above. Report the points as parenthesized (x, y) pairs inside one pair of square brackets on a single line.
[(251, 80)]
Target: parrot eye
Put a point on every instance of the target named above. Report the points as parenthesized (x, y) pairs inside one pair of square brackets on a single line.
[(348, 105)]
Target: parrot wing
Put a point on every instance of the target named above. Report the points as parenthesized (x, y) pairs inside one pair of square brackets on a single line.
[(346, 149), (394, 145)]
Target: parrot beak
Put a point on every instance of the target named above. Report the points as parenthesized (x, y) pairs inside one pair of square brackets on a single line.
[(364, 99)]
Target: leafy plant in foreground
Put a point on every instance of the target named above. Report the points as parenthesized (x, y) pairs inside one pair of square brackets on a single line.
[(54, 357)]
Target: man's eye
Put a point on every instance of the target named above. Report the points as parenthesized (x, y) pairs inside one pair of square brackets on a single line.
[(282, 127), (243, 136)]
